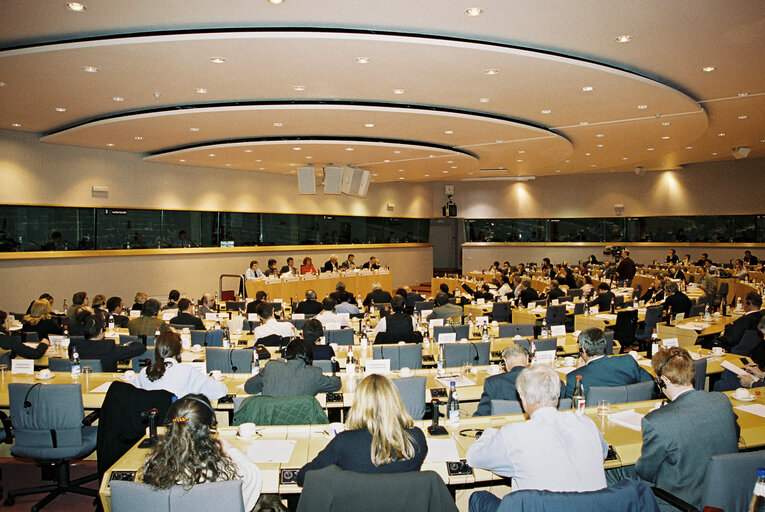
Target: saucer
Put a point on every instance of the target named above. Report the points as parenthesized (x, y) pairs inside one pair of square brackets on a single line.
[(126, 378), (197, 348), (40, 377), (750, 399), (253, 436), (568, 365)]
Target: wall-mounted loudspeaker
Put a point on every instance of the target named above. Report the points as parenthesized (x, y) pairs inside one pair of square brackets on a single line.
[(355, 182), (333, 180), (306, 180)]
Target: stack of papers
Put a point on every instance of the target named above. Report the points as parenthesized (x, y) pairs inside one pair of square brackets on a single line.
[(271, 450), (694, 326), (458, 379), (606, 316), (442, 450), (628, 418), (757, 409)]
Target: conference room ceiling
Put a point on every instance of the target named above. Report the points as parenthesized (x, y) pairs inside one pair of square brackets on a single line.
[(411, 91)]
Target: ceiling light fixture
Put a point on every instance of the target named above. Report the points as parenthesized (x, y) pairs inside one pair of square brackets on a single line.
[(398, 91), (721, 135), (89, 69), (474, 11), (688, 147), (448, 132), (138, 137), (200, 90), (298, 88), (386, 161), (445, 172), (599, 145), (588, 88), (248, 151), (309, 157), (453, 166), (742, 117), (484, 100), (349, 149), (742, 94), (397, 151), (217, 60), (626, 38), (665, 137), (16, 125), (193, 129), (2, 84), (277, 124), (276, 2), (211, 154), (182, 160), (546, 111), (642, 107), (649, 149), (666, 123), (714, 154), (369, 125), (110, 145), (521, 151), (599, 135), (362, 60), (60, 109), (491, 71), (118, 98), (76, 6), (401, 177), (708, 69)]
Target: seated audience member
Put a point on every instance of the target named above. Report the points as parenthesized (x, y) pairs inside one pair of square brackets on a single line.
[(348, 263), (377, 296), (310, 306), (411, 298), (374, 442), (289, 268), (708, 283), (398, 322), (609, 271), (749, 258), (443, 287), (312, 333), (604, 299), (14, 343), (328, 315), (527, 293), (730, 381), (272, 270), (681, 437), (167, 372), (260, 296), (46, 296), (294, 375), (502, 386), (735, 330), (206, 305), (597, 369), (78, 299), (187, 454), (444, 309), (521, 271), (114, 306), (99, 306), (94, 346), (341, 295), (739, 271), (677, 300), (482, 291), (253, 272), (686, 260), (172, 300), (148, 323), (587, 288), (565, 276), (270, 325), (331, 264), (506, 288), (552, 450), (76, 328), (703, 260), (185, 317), (139, 300), (307, 267), (40, 320), (672, 257), (372, 264), (347, 307), (655, 293), (555, 292)]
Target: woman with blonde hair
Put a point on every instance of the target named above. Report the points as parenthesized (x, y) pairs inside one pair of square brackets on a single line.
[(40, 320), (381, 436), (140, 298), (188, 455)]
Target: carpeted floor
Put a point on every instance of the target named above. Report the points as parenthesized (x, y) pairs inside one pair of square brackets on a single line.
[(18, 474)]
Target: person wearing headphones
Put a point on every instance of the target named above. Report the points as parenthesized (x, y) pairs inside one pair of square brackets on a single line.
[(597, 369), (188, 455), (294, 375), (681, 437)]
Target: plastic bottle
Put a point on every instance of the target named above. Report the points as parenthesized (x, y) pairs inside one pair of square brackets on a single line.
[(485, 333), (453, 406), (111, 322), (758, 495), (578, 401), (532, 352), (440, 363), (543, 333), (66, 309), (255, 363), (75, 362)]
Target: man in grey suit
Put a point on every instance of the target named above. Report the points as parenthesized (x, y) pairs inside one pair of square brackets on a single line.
[(681, 437), (294, 375), (444, 309)]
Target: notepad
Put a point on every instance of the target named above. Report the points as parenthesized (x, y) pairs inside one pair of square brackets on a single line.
[(442, 450), (275, 451), (735, 369), (628, 418), (458, 379), (757, 409)]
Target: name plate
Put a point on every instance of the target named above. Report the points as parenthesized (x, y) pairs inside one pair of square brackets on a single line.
[(425, 313), (211, 316), (272, 280), (23, 366), (309, 277), (670, 342), (365, 272), (298, 316), (382, 272), (291, 279), (381, 366), (558, 330), (555, 302), (545, 356), (278, 301), (252, 317), (481, 320), (134, 313), (436, 322), (679, 316), (480, 302), (447, 337), (167, 316)]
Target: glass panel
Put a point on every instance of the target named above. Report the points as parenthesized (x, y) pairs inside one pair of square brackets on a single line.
[(241, 228), (43, 228)]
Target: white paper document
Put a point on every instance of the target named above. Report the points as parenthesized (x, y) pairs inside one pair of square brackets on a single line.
[(732, 367), (694, 326), (757, 409), (628, 418), (442, 450), (458, 379), (267, 451), (565, 370), (606, 316), (103, 388), (645, 362)]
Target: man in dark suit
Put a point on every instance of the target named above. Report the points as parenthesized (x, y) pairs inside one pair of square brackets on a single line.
[(289, 268), (597, 369), (377, 295), (341, 295), (312, 331), (444, 309), (260, 296), (655, 293), (604, 299), (310, 306), (372, 264), (114, 306), (94, 346), (185, 317), (749, 258), (677, 300), (412, 298), (734, 331), (681, 437), (626, 269), (555, 291), (331, 264), (528, 294)]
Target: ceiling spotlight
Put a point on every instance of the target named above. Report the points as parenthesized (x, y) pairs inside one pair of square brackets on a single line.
[(401, 170), (397, 151), (193, 129), (557, 170), (599, 145), (89, 69), (587, 154), (599, 135), (309, 157), (262, 168), (521, 151), (386, 161), (138, 137), (708, 69), (448, 132), (258, 160), (228, 165), (491, 71), (60, 109), (200, 90), (118, 98), (369, 125), (642, 107), (398, 91), (277, 124), (666, 137), (626, 38), (211, 154), (248, 151), (16, 125), (742, 117), (110, 145), (349, 149), (721, 134), (297, 149), (217, 60), (546, 111), (76, 6), (401, 177), (276, 2), (474, 11), (666, 123), (588, 88), (484, 100), (157, 95), (445, 172), (742, 94), (362, 60), (298, 87), (688, 147), (2, 84), (649, 149), (454, 166), (182, 160), (519, 160)]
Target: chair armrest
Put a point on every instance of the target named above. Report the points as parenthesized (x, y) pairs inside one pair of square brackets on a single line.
[(7, 427), (674, 500), (90, 418)]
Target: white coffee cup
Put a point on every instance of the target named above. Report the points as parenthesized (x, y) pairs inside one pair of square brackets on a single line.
[(742, 393), (246, 430), (128, 375), (45, 373), (718, 351), (216, 374), (634, 354), (494, 369), (406, 371), (569, 361)]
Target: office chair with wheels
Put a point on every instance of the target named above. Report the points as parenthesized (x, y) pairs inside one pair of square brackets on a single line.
[(132, 496), (457, 354), (59, 364), (407, 355), (228, 360), (511, 330), (49, 427)]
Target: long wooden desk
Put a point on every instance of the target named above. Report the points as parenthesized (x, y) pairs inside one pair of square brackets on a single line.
[(287, 289)]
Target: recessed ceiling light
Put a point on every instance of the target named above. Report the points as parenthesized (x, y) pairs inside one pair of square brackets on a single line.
[(349, 149), (182, 160), (666, 123), (277, 124), (484, 100), (454, 166), (471, 172), (474, 11), (448, 132), (309, 157), (297, 149), (397, 151), (156, 95), (588, 154), (557, 170), (386, 161), (625, 158), (599, 135), (60, 109), (762, 140), (211, 154), (261, 168), (401, 170), (276, 2), (445, 172), (688, 147), (258, 160), (138, 137), (491, 71), (398, 91), (193, 129), (714, 154), (642, 107), (519, 160), (248, 151), (76, 6), (546, 111), (626, 38), (228, 165), (665, 137), (742, 117), (721, 134), (599, 145), (450, 161), (427, 175), (362, 60), (2, 84), (89, 69), (521, 151), (499, 141), (16, 125), (587, 88), (584, 123), (200, 90), (708, 69), (742, 94), (118, 98), (109, 144), (298, 87), (217, 60), (649, 149), (369, 125), (401, 177), (593, 165), (431, 156), (375, 174)]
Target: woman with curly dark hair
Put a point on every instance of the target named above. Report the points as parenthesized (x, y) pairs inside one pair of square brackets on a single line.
[(188, 455)]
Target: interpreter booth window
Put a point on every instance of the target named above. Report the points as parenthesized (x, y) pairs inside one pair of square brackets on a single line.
[(44, 228), (583, 230), (711, 229), (243, 229), (279, 229)]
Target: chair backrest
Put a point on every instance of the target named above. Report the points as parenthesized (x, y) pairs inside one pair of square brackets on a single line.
[(575, 292), (384, 338), (701, 374), (130, 496), (609, 342), (652, 316), (626, 324), (540, 345), (696, 310), (198, 337), (324, 364), (273, 340), (407, 355), (124, 338), (749, 340), (339, 336), (723, 290), (457, 354), (289, 410), (412, 391), (59, 364), (30, 337), (214, 338), (500, 312), (579, 308), (50, 426), (424, 305), (460, 330), (621, 394), (730, 478), (619, 301), (235, 305), (500, 407), (556, 315), (510, 330), (228, 360), (145, 359)]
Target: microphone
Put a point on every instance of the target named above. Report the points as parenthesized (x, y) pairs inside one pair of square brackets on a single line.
[(477, 357), (152, 439)]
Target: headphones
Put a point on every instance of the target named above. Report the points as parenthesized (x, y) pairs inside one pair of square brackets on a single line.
[(212, 411), (234, 368), (27, 403), (660, 382)]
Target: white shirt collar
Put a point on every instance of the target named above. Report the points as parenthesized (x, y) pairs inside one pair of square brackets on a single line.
[(595, 358)]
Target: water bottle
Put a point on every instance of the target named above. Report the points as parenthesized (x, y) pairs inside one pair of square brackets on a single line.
[(66, 309), (654, 343), (75, 362), (226, 338), (758, 495), (255, 362), (440, 363), (532, 352), (544, 328), (578, 401), (350, 365), (485, 333), (111, 322), (453, 406), (707, 313)]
